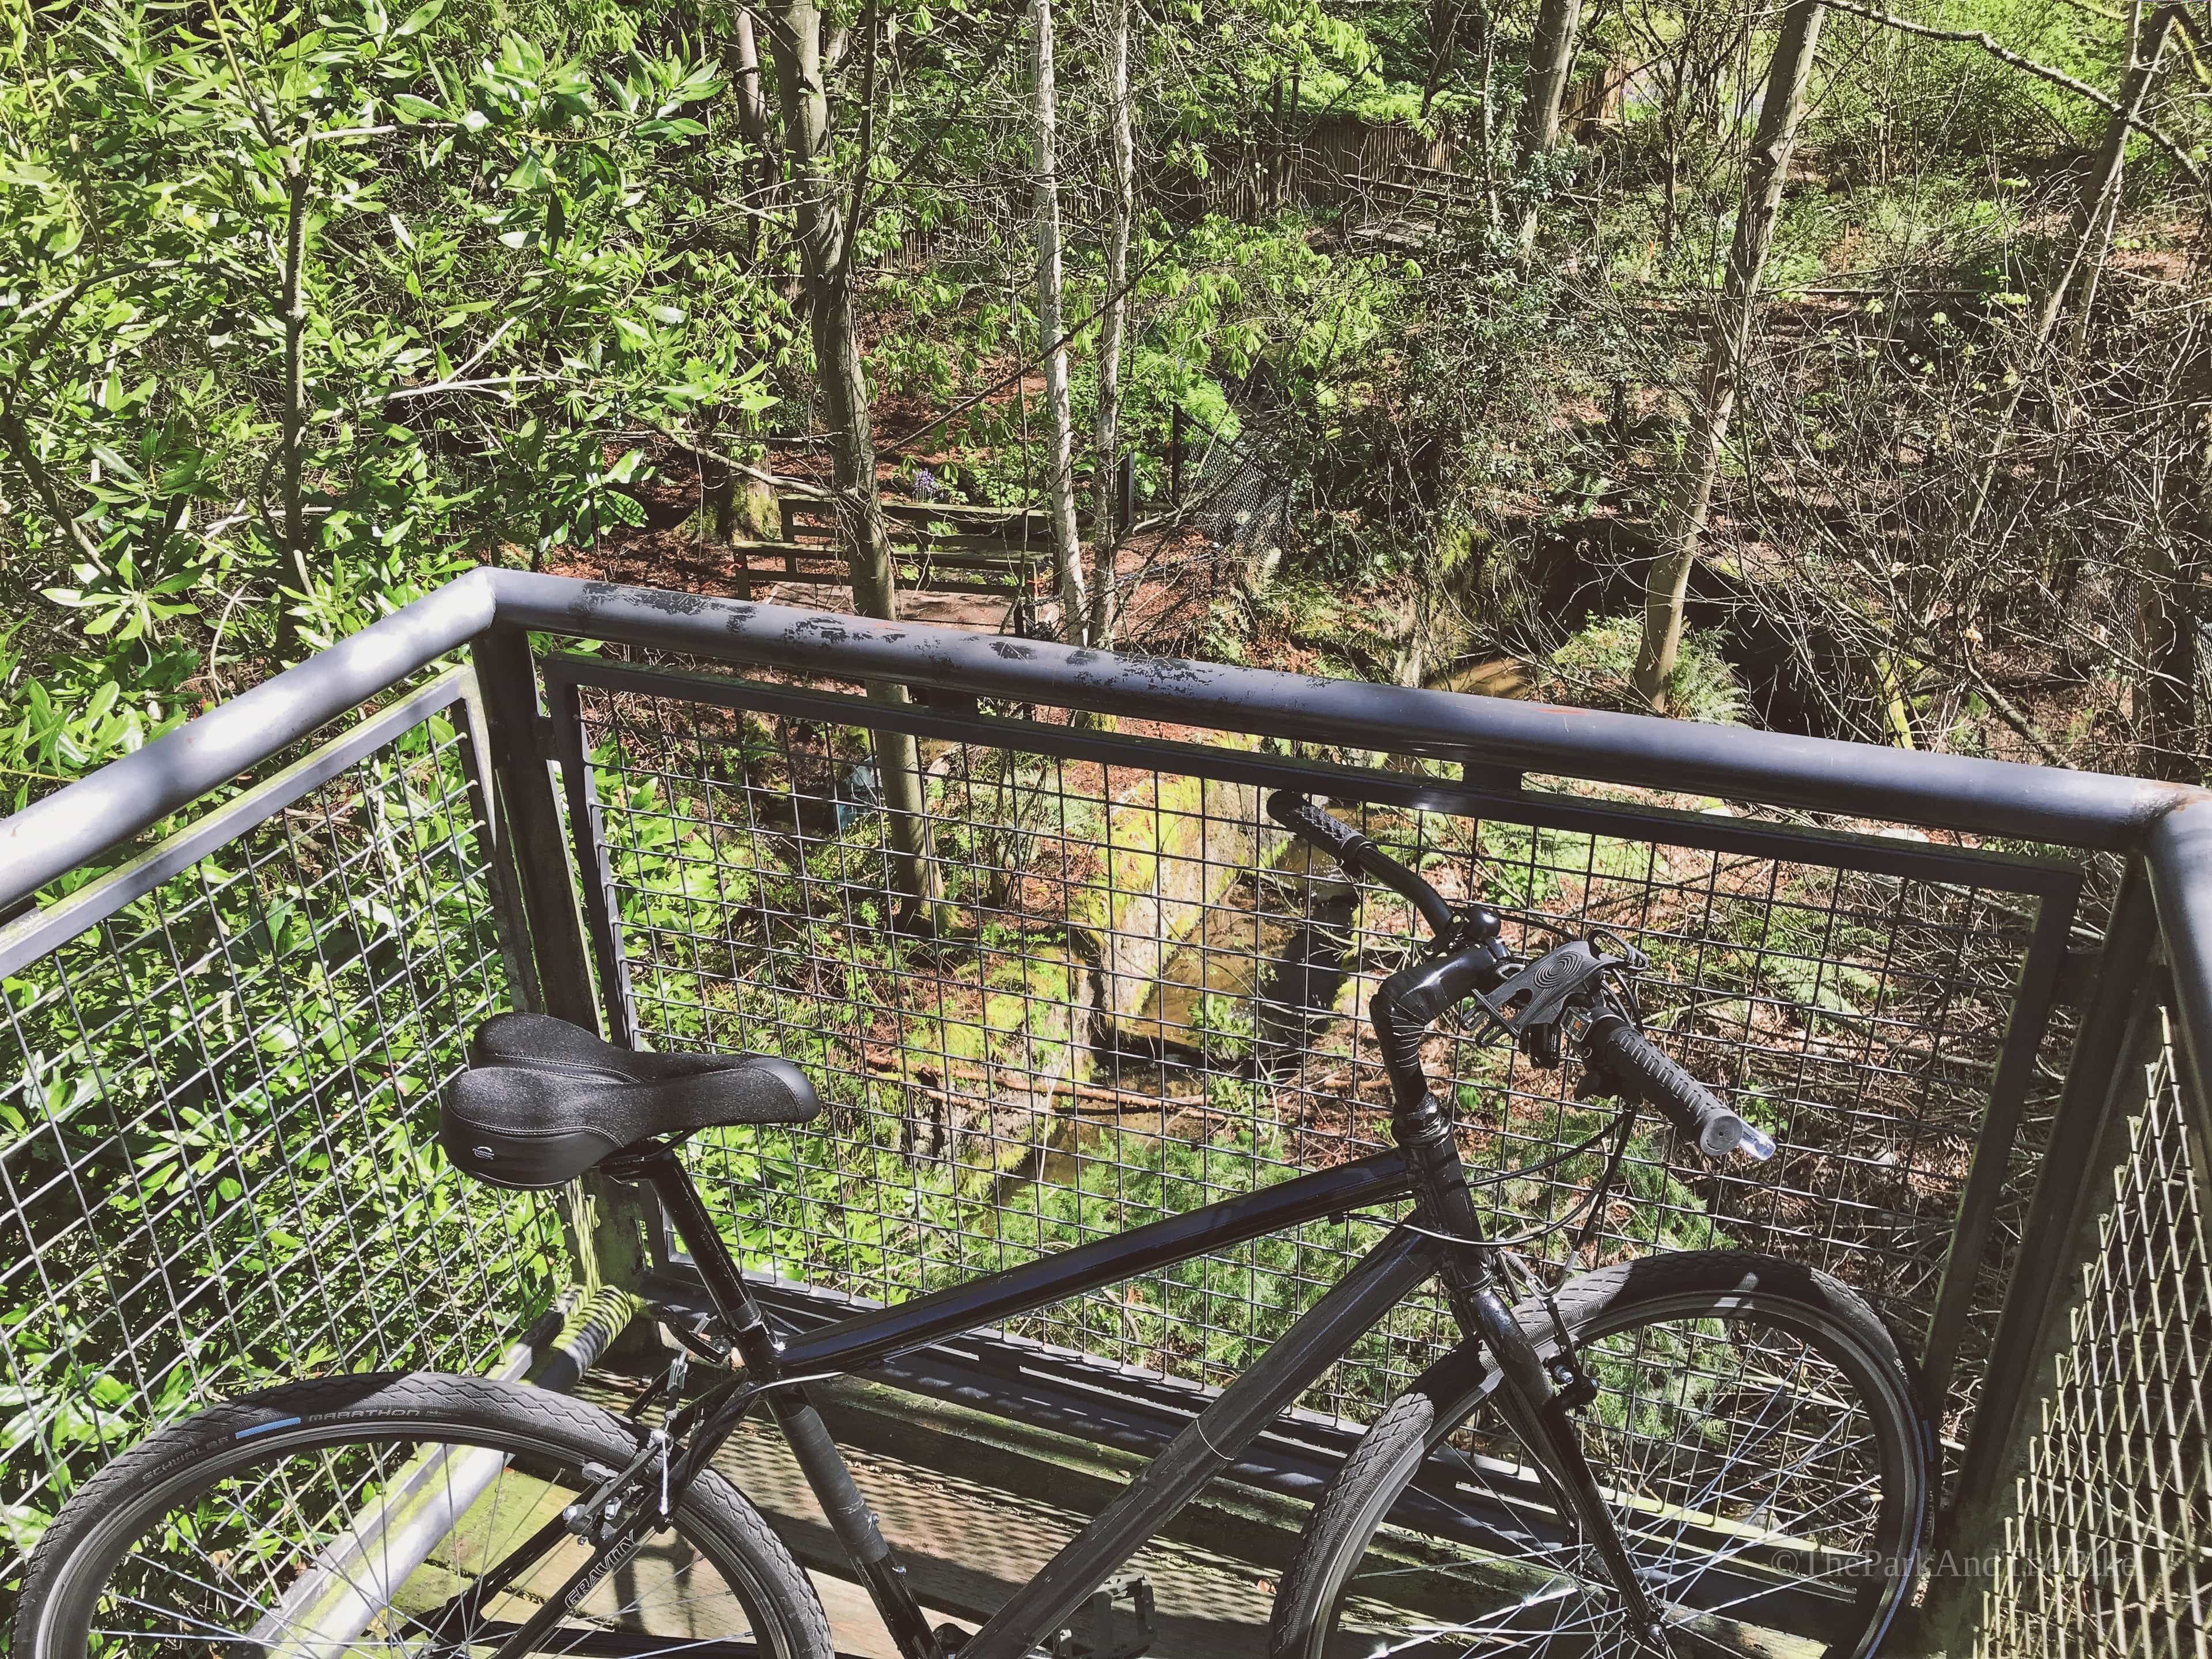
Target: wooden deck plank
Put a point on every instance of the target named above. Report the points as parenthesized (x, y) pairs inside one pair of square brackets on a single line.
[(967, 1546)]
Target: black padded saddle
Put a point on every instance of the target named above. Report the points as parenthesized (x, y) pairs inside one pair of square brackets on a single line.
[(543, 1101)]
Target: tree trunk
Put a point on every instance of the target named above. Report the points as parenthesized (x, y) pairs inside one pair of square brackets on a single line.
[(1551, 58), (753, 119), (795, 43), (1443, 31), (2146, 47), (752, 97), (1059, 480), (1106, 526), (1787, 79)]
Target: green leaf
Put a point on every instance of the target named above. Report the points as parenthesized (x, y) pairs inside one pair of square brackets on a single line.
[(618, 508), (415, 111), (420, 19)]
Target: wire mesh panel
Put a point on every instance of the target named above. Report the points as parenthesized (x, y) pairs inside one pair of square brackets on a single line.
[(218, 1100), (1125, 992), (2110, 1551)]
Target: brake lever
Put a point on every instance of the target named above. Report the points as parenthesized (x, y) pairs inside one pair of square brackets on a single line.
[(1535, 998)]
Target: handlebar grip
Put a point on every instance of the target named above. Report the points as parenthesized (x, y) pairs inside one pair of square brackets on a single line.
[(1302, 817), (1643, 1071), (1356, 853)]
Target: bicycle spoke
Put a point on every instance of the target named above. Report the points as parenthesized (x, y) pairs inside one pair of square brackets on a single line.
[(1742, 1470), (401, 1547)]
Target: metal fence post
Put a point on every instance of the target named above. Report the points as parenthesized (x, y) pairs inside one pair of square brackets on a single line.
[(509, 919), (2119, 1032), (605, 1222), (521, 761)]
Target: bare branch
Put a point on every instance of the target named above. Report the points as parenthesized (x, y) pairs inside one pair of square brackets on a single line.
[(2029, 66), (778, 480)]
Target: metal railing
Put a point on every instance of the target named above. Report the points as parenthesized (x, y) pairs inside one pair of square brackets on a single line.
[(1086, 984), (2108, 1551), (213, 1075)]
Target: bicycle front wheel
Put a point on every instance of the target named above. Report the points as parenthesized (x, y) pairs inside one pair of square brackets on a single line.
[(375, 1516), (1757, 1438)]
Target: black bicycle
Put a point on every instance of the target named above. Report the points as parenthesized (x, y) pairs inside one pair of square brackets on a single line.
[(1681, 1455)]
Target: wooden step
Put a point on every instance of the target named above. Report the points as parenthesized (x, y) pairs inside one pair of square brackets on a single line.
[(984, 523), (1000, 572)]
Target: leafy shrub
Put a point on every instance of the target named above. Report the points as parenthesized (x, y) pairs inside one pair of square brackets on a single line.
[(1593, 670)]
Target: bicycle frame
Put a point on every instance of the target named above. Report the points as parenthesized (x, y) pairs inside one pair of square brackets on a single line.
[(1425, 1167), (1400, 1261), (1447, 1245)]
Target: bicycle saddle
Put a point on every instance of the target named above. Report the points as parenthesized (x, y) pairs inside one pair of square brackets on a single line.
[(543, 1101)]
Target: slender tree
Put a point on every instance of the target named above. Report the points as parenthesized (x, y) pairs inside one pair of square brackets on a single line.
[(752, 97), (1106, 529), (825, 249), (2099, 197), (1551, 59), (1060, 420), (1443, 32), (757, 123), (1787, 77), (299, 177)]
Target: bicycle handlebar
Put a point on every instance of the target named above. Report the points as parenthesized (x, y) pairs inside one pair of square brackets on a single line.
[(1641, 1069), (1356, 853), (1421, 992)]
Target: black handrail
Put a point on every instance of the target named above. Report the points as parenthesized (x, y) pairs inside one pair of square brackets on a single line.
[(75, 825)]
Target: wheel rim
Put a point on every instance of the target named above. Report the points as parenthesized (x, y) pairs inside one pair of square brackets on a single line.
[(1753, 1461), (343, 1543)]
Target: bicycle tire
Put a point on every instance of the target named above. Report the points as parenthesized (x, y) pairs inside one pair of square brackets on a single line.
[(1519, 1583), (186, 1491)]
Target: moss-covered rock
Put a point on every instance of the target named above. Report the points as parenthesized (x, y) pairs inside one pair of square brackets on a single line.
[(1173, 847)]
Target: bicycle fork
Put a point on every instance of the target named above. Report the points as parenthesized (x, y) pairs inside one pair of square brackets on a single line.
[(1541, 1419), (1534, 1405)]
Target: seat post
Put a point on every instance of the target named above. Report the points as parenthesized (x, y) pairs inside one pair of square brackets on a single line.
[(811, 1446), (724, 1281)]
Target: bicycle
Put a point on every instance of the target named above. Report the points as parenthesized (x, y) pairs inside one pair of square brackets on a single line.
[(1716, 1450)]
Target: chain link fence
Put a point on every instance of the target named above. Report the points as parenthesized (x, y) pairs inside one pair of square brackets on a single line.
[(1140, 995), (219, 1074), (2110, 1550)]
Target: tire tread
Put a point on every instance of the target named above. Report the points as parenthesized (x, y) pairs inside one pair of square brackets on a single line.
[(1400, 1434), (389, 1401)]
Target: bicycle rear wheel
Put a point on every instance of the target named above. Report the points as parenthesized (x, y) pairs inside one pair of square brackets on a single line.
[(371, 1517), (1757, 1440)]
